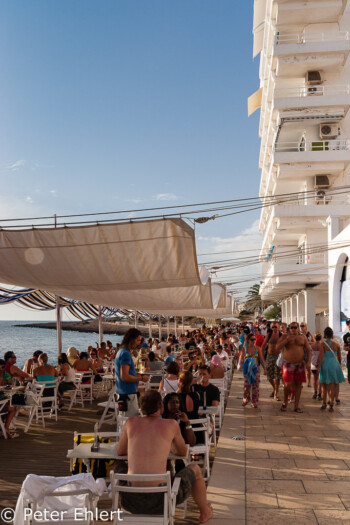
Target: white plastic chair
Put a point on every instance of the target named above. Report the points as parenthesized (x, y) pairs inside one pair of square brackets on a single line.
[(169, 492), (84, 389), (202, 426), (3, 404), (110, 411)]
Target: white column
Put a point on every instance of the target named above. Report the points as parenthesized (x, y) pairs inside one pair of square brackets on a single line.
[(100, 326), (284, 311), (310, 309), (58, 326)]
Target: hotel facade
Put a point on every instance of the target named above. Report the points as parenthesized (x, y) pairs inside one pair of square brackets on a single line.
[(304, 128)]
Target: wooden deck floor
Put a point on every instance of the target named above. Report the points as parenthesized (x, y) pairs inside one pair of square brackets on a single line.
[(43, 452)]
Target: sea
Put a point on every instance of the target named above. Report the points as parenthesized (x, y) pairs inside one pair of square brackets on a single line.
[(24, 340)]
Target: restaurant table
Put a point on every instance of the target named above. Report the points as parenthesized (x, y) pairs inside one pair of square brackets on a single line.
[(107, 451)]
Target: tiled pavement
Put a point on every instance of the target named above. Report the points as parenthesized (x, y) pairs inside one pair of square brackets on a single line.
[(291, 468)]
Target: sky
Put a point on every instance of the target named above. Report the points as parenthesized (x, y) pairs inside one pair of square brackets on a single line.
[(126, 104)]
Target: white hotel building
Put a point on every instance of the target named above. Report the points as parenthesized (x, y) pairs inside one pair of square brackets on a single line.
[(304, 159)]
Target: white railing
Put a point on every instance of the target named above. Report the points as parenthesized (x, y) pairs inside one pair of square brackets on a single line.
[(317, 145), (301, 258), (305, 38), (306, 91)]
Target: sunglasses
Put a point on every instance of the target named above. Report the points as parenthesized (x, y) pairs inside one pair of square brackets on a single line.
[(302, 325), (293, 327)]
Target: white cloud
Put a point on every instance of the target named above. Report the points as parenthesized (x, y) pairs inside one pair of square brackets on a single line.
[(134, 201), (53, 192), (14, 166), (29, 199), (165, 197)]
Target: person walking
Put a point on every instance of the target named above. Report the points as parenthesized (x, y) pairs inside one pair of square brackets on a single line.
[(252, 357), (329, 366)]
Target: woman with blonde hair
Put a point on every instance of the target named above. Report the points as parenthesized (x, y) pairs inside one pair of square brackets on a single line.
[(72, 355)]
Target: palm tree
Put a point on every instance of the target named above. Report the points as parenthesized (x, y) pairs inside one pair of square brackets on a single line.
[(254, 301)]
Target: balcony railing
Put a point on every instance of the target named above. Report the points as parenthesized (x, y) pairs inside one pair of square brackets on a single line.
[(306, 91), (318, 145), (305, 38), (301, 258)]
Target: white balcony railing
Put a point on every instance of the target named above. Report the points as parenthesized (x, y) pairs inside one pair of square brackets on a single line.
[(301, 258), (317, 145), (305, 38), (306, 91)]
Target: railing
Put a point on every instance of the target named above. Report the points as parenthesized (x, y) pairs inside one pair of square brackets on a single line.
[(306, 91), (305, 38), (319, 145), (301, 258)]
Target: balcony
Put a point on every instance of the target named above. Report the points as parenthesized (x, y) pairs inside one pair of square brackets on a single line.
[(317, 96), (317, 42), (316, 151), (280, 278), (312, 12)]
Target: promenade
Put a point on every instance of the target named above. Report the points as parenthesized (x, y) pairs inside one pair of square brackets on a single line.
[(291, 468)]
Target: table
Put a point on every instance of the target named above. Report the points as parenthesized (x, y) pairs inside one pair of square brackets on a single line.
[(108, 451)]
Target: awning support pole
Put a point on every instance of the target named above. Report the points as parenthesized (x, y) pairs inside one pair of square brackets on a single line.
[(175, 326), (100, 326), (183, 325), (160, 327), (58, 326), (150, 326), (168, 326)]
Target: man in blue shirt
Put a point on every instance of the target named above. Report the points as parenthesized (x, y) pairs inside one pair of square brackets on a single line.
[(126, 377)]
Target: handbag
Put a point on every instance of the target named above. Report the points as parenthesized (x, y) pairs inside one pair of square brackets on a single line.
[(279, 361)]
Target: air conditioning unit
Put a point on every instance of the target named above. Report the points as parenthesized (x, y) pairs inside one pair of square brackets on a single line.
[(321, 197), (313, 78), (321, 182), (329, 131)]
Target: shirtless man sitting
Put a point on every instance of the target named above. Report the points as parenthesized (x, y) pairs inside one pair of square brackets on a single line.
[(147, 442), (273, 372), (293, 369)]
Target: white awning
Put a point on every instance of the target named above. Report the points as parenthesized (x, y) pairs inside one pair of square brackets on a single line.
[(258, 25), (254, 101), (145, 265)]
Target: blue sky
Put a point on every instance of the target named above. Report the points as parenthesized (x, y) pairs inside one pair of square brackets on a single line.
[(127, 104)]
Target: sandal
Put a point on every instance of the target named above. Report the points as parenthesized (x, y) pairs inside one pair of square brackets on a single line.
[(276, 398), (283, 408), (331, 409), (314, 396), (337, 401), (324, 406), (12, 436), (298, 410), (245, 402)]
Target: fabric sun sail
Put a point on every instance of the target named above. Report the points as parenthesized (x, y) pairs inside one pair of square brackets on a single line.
[(147, 265)]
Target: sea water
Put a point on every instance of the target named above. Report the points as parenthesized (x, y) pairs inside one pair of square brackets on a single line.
[(23, 341)]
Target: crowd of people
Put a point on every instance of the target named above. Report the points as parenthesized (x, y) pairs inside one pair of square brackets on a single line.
[(179, 371)]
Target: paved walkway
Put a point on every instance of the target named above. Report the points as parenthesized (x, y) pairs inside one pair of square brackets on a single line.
[(291, 469)]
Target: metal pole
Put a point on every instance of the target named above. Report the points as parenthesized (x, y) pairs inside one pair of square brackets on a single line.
[(183, 325), (168, 326), (175, 326), (150, 326), (100, 326), (160, 327), (58, 326)]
